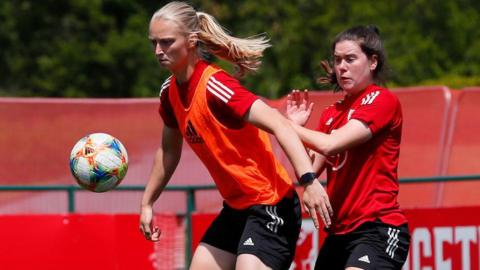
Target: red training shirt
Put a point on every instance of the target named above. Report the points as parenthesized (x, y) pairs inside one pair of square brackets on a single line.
[(362, 182)]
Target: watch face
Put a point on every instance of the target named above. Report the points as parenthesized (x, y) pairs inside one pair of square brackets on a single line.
[(307, 178)]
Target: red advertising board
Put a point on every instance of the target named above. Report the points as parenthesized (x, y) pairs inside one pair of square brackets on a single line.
[(447, 238), (83, 242)]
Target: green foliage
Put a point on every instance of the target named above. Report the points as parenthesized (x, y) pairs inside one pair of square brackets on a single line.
[(76, 48), (99, 48), (454, 81)]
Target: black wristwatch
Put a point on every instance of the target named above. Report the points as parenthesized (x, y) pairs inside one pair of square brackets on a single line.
[(307, 178)]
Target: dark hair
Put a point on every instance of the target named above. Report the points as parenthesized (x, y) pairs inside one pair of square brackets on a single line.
[(368, 38)]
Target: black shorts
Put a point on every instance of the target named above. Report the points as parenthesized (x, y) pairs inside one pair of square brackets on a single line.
[(373, 245), (269, 232)]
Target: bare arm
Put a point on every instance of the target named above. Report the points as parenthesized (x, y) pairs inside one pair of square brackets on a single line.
[(318, 161), (355, 132), (270, 120), (299, 110), (164, 164), (266, 118)]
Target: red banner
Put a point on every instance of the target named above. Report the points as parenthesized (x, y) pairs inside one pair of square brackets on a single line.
[(83, 242), (446, 238)]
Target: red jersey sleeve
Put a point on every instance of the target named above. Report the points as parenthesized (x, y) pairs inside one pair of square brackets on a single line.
[(324, 119), (228, 99), (377, 110), (165, 109)]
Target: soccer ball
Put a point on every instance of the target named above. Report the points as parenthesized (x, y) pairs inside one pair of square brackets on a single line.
[(98, 162)]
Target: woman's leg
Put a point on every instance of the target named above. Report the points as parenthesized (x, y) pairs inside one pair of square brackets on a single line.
[(250, 262), (209, 257)]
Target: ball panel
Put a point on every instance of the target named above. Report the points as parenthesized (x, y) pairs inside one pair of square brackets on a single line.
[(100, 138), (107, 184), (108, 160), (122, 170), (118, 146), (77, 148), (83, 169)]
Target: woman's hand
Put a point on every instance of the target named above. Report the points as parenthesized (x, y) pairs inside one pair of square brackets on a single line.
[(146, 224), (298, 107), (317, 203)]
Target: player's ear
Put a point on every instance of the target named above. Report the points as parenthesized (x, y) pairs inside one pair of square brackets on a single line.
[(192, 40), (373, 62)]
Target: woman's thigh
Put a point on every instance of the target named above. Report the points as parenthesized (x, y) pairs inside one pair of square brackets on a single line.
[(209, 257)]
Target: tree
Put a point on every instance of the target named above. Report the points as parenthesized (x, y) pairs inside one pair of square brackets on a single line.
[(99, 48)]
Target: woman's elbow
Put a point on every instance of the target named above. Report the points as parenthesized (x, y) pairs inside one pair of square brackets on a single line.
[(328, 149)]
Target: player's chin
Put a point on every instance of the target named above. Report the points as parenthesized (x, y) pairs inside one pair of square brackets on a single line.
[(346, 84), (164, 63), (348, 87)]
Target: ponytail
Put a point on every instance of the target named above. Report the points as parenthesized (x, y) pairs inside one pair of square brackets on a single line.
[(245, 53)]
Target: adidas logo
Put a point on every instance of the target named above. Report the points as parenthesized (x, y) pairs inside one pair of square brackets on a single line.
[(248, 242), (329, 121), (191, 134), (370, 97), (364, 259), (350, 114)]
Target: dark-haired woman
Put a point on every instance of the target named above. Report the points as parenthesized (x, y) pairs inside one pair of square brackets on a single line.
[(358, 142)]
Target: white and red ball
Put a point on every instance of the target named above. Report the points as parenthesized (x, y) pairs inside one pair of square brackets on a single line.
[(99, 162)]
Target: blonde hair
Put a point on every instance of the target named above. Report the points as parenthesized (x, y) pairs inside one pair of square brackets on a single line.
[(244, 53)]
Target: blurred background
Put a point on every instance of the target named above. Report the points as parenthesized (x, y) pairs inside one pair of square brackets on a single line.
[(71, 68), (99, 48)]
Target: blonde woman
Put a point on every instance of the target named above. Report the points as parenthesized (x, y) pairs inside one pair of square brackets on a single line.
[(225, 125)]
